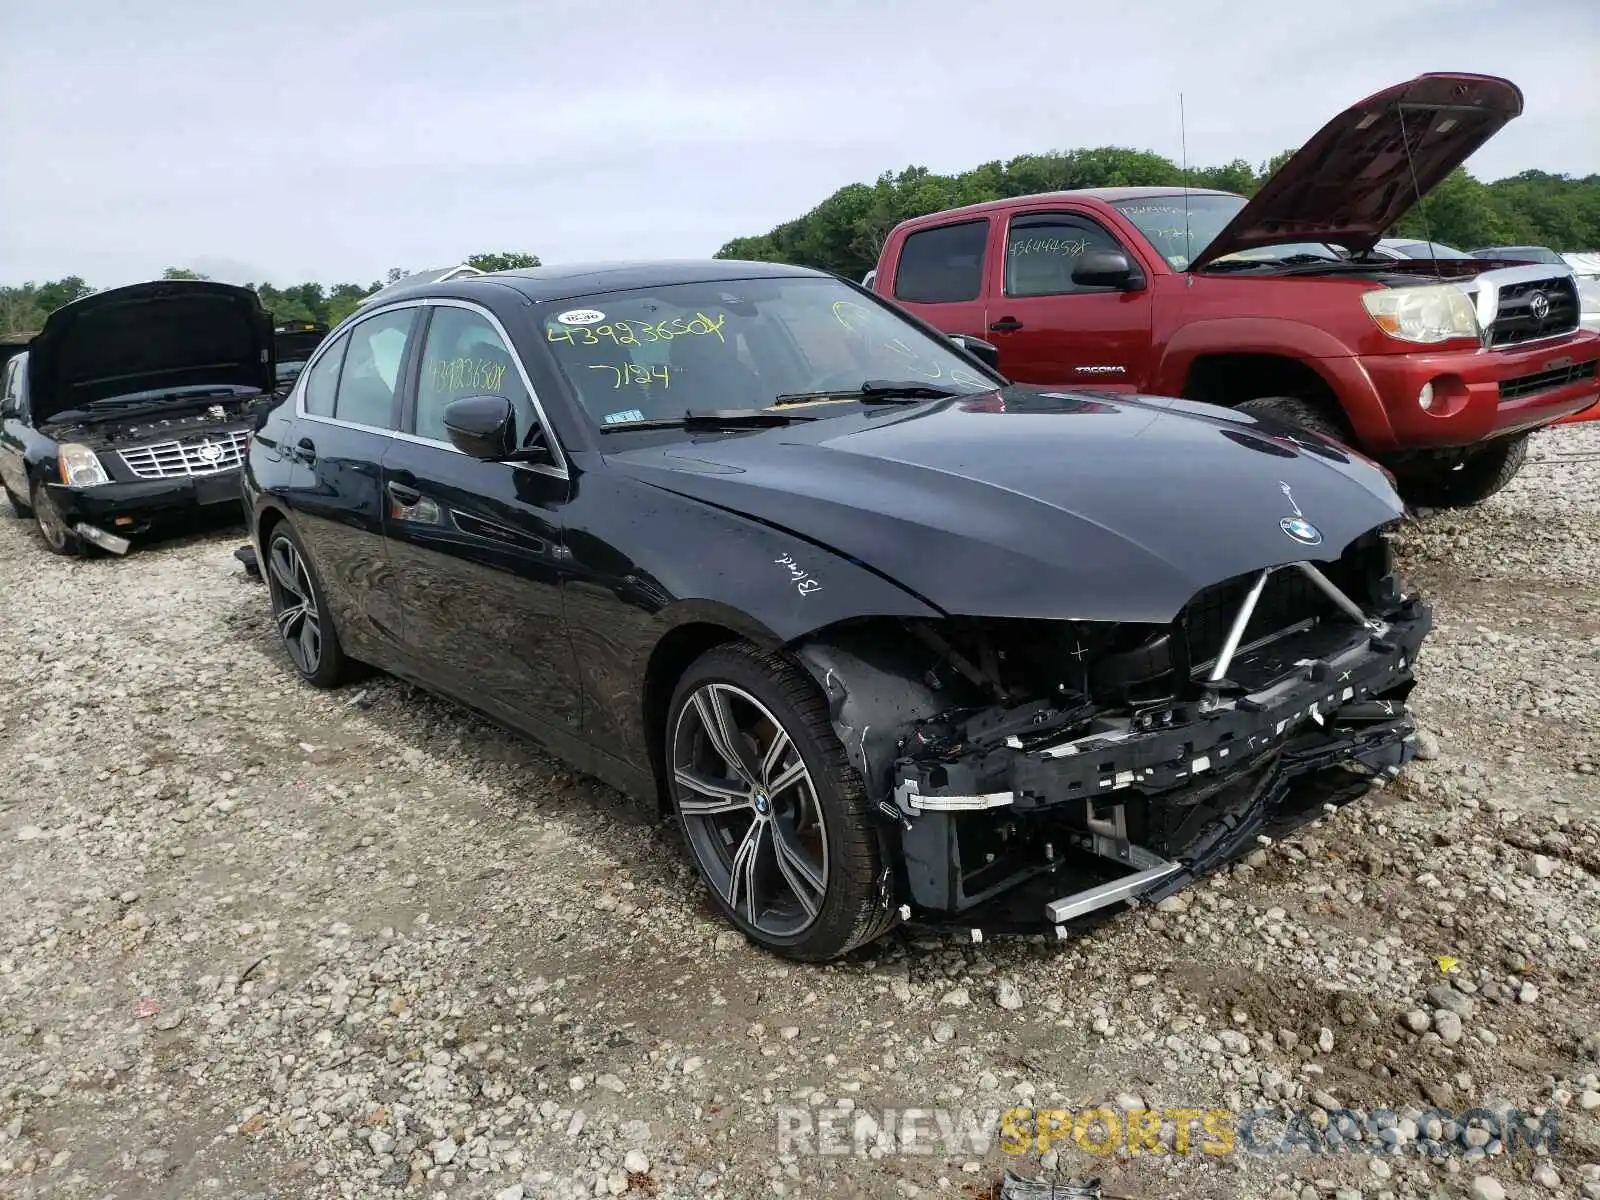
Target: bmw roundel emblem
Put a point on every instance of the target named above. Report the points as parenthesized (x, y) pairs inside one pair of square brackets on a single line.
[(1301, 530)]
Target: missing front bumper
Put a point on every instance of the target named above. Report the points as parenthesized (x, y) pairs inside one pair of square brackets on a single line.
[(1030, 838)]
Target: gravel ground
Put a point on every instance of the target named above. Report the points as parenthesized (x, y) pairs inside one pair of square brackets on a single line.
[(263, 941)]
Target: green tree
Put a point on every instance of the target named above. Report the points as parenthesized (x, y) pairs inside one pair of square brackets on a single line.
[(182, 273), (504, 260)]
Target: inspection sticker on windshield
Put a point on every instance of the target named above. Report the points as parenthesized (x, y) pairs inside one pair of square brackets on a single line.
[(632, 414), (581, 316)]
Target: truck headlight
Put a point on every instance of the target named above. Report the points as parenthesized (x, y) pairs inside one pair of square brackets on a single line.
[(1437, 313), (80, 466)]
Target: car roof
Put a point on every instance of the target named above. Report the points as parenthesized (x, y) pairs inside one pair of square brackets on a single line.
[(1108, 195), (561, 282)]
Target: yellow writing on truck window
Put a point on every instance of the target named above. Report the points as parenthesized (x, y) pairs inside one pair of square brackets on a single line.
[(640, 333), (467, 374), (633, 373)]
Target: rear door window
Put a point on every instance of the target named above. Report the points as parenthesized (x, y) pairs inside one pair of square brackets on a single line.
[(370, 377), (942, 265)]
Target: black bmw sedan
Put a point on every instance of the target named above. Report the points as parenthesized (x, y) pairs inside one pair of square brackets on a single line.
[(889, 638)]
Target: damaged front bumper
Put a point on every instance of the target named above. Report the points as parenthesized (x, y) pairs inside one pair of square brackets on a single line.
[(1019, 836)]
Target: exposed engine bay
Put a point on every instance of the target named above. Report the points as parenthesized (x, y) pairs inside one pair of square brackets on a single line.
[(1040, 771), (158, 420)]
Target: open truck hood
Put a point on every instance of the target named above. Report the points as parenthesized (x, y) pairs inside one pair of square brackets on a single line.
[(148, 336), (1354, 179), (1048, 505)]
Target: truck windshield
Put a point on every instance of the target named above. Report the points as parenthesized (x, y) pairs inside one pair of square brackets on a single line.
[(1180, 227), (655, 353)]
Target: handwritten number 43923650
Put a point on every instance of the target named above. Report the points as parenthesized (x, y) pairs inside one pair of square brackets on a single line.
[(804, 582)]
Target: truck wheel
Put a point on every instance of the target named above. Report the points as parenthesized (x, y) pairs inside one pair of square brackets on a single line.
[(19, 508), (53, 527), (1295, 410), (1457, 479)]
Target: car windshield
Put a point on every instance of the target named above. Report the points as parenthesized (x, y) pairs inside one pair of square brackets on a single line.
[(1538, 254), (1181, 227), (1430, 250), (653, 354)]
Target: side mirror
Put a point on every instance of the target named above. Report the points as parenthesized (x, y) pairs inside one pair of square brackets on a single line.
[(485, 427), (1106, 268), (985, 352)]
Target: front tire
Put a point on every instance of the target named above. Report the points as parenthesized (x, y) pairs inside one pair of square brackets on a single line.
[(777, 820), (299, 611), (1297, 411), (1453, 479), (53, 528)]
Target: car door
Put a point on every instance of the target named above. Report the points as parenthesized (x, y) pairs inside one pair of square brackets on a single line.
[(478, 545), (347, 409), (13, 419), (1055, 332), (939, 275)]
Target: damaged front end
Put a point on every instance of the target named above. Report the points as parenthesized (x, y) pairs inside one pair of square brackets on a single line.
[(1039, 773)]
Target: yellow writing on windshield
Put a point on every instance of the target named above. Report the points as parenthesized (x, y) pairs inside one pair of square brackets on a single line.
[(639, 333), (466, 374), (633, 373)]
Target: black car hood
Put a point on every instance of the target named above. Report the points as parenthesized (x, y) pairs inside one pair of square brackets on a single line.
[(1026, 504), (165, 334), (1366, 168)]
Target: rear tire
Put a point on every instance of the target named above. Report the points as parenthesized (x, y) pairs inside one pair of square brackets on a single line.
[(300, 612), (58, 536), (19, 508), (1299, 412), (1453, 479), (782, 832)]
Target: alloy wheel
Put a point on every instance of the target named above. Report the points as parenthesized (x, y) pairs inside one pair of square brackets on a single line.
[(750, 810), (52, 525), (294, 605)]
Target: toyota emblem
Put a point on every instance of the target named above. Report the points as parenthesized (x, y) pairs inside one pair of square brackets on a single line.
[(1539, 306)]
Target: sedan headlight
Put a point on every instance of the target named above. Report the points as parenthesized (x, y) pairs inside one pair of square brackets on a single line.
[(1431, 314), (80, 466)]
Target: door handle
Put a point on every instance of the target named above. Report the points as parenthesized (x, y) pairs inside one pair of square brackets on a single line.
[(1005, 325), (405, 497), (306, 450)]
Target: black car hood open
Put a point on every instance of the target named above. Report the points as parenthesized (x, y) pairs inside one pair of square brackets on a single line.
[(1354, 179), (164, 334), (1026, 504)]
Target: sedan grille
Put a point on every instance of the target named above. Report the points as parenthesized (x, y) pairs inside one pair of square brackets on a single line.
[(204, 456), (1288, 601), (1534, 309)]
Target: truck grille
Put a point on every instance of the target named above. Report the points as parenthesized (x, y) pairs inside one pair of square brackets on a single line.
[(1545, 381), (204, 456), (1534, 309)]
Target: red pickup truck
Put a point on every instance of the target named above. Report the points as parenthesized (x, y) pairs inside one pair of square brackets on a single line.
[(1276, 305)]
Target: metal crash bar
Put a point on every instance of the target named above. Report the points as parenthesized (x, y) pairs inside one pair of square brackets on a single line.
[(1241, 619)]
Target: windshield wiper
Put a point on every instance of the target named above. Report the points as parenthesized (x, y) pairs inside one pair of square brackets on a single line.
[(725, 418), (873, 391)]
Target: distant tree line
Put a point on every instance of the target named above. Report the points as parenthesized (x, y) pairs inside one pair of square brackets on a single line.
[(24, 307), (846, 231)]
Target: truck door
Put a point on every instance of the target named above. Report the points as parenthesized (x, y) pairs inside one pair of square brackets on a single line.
[(1053, 331), (939, 275)]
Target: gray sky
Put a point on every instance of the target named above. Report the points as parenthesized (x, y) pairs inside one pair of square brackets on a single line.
[(290, 140)]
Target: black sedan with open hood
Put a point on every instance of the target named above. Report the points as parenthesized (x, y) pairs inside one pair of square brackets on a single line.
[(889, 638), (132, 406)]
